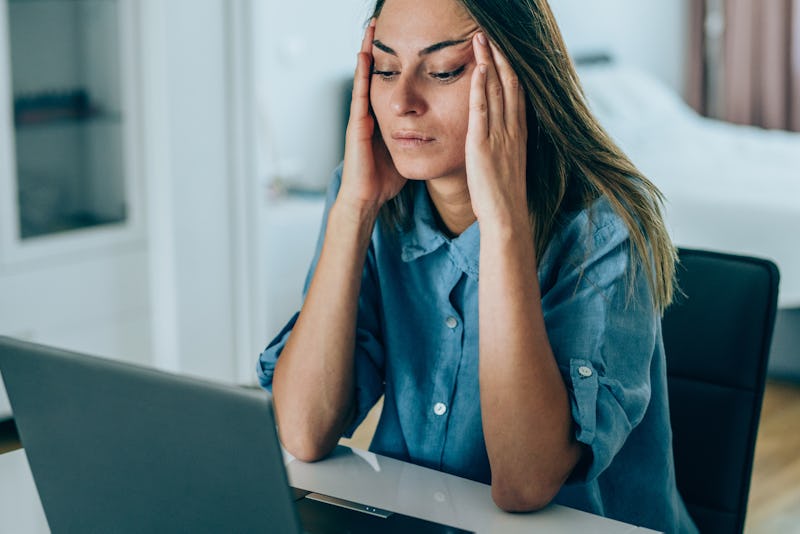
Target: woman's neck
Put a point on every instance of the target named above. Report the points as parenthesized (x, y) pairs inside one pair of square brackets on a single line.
[(452, 203)]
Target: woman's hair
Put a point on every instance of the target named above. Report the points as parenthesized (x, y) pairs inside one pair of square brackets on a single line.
[(571, 161)]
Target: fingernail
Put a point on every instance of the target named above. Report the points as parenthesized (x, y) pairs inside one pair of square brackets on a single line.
[(481, 38), (482, 68)]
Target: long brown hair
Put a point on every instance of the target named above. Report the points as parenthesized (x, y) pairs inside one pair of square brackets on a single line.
[(571, 159)]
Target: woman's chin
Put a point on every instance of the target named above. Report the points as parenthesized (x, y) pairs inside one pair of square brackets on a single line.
[(419, 170)]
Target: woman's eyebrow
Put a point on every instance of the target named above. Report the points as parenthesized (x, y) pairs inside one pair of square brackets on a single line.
[(425, 51)]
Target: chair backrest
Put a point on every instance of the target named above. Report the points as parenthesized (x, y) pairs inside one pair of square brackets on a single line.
[(717, 338)]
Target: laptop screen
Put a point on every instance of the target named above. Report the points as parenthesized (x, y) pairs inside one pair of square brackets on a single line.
[(117, 447)]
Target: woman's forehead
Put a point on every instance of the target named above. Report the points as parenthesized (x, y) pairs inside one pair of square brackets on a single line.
[(414, 25)]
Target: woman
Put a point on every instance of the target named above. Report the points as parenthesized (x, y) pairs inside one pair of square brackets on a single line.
[(495, 266)]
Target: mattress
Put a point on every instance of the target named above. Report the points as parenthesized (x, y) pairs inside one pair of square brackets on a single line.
[(728, 188)]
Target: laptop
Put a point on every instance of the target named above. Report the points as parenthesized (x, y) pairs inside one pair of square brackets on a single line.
[(115, 447)]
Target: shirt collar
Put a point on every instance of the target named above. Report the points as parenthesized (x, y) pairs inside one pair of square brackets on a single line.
[(424, 237)]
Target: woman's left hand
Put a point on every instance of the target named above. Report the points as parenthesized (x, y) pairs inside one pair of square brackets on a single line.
[(496, 138)]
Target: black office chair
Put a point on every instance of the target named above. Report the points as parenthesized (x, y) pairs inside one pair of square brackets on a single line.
[(717, 338)]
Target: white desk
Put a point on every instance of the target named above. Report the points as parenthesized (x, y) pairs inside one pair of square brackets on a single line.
[(357, 476), (20, 509)]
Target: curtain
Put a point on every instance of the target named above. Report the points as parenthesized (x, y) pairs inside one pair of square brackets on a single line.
[(696, 65), (794, 121), (745, 61)]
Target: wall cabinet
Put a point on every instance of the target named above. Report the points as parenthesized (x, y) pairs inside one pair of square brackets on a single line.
[(69, 121), (108, 106), (73, 254)]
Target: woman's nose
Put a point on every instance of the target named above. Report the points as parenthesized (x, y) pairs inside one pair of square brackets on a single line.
[(407, 98)]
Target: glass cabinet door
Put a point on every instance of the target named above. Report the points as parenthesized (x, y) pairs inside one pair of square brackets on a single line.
[(67, 115)]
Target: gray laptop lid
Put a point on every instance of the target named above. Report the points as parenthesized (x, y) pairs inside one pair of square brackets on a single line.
[(115, 447)]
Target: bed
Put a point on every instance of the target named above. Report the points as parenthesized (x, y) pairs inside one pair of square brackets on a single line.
[(728, 188)]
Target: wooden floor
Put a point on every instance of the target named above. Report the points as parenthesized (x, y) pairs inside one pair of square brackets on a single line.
[(774, 505)]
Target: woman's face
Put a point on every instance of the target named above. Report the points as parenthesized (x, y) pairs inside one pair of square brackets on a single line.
[(423, 62)]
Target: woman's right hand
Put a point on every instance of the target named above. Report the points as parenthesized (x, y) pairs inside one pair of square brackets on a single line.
[(369, 177)]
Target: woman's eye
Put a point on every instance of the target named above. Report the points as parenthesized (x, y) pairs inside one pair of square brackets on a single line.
[(385, 74), (448, 76)]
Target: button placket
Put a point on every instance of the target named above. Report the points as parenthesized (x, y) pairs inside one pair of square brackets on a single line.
[(450, 353)]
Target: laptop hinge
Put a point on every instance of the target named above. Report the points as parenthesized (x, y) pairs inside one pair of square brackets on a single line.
[(350, 505)]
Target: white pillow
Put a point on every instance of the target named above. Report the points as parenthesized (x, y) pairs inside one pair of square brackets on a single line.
[(618, 93)]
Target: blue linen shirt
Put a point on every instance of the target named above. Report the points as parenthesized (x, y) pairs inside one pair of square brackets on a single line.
[(417, 344)]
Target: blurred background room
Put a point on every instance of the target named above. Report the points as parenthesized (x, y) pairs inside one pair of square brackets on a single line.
[(163, 165)]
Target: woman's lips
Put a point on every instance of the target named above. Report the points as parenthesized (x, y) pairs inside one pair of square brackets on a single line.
[(411, 139)]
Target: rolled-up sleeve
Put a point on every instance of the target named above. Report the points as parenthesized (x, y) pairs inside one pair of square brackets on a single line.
[(602, 327), (369, 352)]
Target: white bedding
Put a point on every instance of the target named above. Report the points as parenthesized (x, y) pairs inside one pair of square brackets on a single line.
[(728, 188)]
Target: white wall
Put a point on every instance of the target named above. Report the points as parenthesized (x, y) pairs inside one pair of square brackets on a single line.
[(88, 302), (190, 179), (648, 34), (304, 55)]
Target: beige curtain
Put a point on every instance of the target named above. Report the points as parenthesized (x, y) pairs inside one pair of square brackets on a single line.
[(794, 100), (696, 64), (750, 61)]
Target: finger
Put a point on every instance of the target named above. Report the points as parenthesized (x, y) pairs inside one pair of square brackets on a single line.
[(478, 126), (522, 114), (359, 104), (511, 86), (369, 36), (494, 90)]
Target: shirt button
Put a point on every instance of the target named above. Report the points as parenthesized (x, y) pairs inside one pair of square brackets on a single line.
[(451, 322), (439, 408), (584, 371)]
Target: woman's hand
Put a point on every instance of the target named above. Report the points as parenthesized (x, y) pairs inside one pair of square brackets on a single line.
[(521, 387), (369, 177), (496, 139), (314, 380)]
